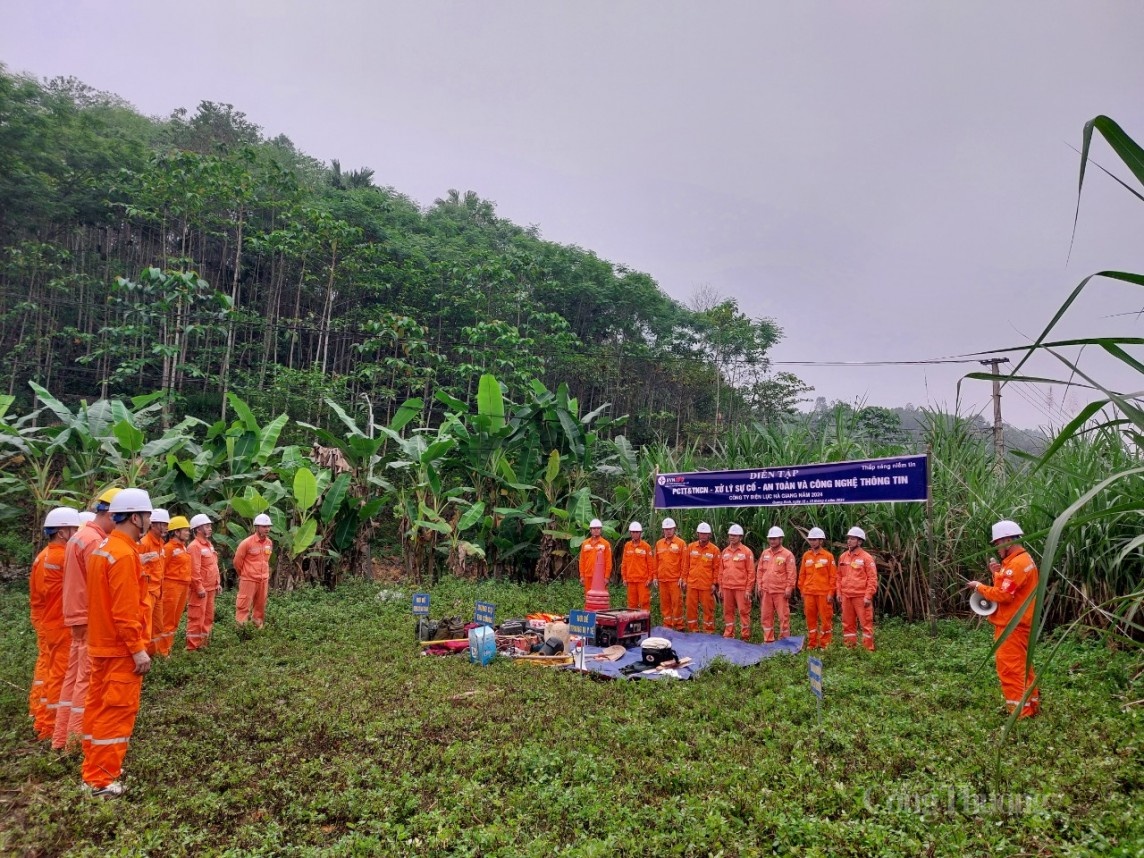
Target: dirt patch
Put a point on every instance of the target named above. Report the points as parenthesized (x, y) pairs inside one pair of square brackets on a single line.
[(388, 570)]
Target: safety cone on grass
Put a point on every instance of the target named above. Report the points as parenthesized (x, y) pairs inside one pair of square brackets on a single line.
[(598, 598)]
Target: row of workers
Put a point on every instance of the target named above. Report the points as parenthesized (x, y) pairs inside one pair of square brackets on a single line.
[(107, 593), (691, 577), (704, 572)]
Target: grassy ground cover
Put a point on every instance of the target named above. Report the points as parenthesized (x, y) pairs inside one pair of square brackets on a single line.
[(327, 734)]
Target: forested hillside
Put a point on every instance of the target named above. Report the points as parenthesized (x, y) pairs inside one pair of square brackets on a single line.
[(195, 254)]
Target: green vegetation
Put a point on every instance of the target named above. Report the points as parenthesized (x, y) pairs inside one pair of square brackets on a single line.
[(328, 734)]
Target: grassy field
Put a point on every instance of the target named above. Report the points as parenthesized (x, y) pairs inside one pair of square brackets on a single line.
[(327, 734)]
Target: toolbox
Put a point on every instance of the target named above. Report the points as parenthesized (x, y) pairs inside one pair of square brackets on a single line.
[(621, 627)]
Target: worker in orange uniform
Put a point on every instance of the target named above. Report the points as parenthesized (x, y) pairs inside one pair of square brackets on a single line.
[(701, 568), (594, 546), (637, 567), (775, 580), (669, 554), (205, 583), (1014, 587), (857, 583), (118, 611), (737, 574), (68, 731), (252, 563), (46, 597), (818, 582), (176, 582), (151, 555)]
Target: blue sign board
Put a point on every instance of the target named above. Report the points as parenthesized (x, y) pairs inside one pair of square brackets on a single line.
[(420, 604), (900, 479), (814, 668), (582, 623), (485, 613)]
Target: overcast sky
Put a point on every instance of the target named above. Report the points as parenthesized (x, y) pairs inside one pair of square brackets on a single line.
[(889, 181)]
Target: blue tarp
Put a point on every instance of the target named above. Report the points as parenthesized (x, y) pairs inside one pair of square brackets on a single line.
[(701, 648)]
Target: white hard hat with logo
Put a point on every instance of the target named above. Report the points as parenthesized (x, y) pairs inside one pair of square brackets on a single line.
[(636, 527), (668, 523), (816, 533), (160, 516), (1005, 529), (857, 531), (199, 520), (61, 516), (262, 520), (130, 500), (734, 530), (704, 527), (595, 523), (775, 533)]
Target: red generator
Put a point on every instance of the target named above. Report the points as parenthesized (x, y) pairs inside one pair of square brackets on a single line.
[(621, 627)]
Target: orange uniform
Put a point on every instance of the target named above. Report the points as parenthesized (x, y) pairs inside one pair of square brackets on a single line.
[(637, 567), (818, 581), (54, 639), (701, 569), (736, 575), (775, 579), (117, 616), (590, 549), (668, 570), (204, 579), (176, 586), (151, 555), (252, 562), (1013, 583), (74, 690), (857, 583)]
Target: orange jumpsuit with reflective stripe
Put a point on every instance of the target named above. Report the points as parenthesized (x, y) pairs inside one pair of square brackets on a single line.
[(817, 582), (45, 590), (775, 579), (590, 549), (737, 572), (668, 570), (252, 562), (116, 618), (151, 555), (701, 566), (637, 567), (1013, 583), (176, 586), (857, 583), (74, 690), (204, 576)]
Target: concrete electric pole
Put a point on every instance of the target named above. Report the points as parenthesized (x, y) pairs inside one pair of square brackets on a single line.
[(998, 426)]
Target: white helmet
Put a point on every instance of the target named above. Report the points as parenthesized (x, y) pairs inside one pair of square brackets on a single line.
[(636, 527), (775, 533), (61, 516), (262, 519), (131, 500), (1006, 528), (857, 531), (734, 530), (199, 520), (667, 522), (86, 516), (816, 533), (595, 523), (160, 516), (704, 527)]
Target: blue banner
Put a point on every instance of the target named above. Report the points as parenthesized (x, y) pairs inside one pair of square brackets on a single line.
[(420, 604), (901, 479), (485, 613), (582, 623)]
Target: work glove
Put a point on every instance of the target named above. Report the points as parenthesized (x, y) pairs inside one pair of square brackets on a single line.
[(142, 661)]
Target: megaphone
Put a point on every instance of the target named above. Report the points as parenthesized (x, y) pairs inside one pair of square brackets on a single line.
[(980, 605)]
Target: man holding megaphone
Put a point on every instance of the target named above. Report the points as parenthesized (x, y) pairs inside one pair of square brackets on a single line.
[(1014, 579)]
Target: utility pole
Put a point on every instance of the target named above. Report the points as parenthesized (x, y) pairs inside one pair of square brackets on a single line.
[(998, 426)]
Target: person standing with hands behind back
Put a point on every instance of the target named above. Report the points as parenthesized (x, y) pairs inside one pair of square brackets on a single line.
[(205, 583), (818, 582), (857, 583), (252, 563)]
